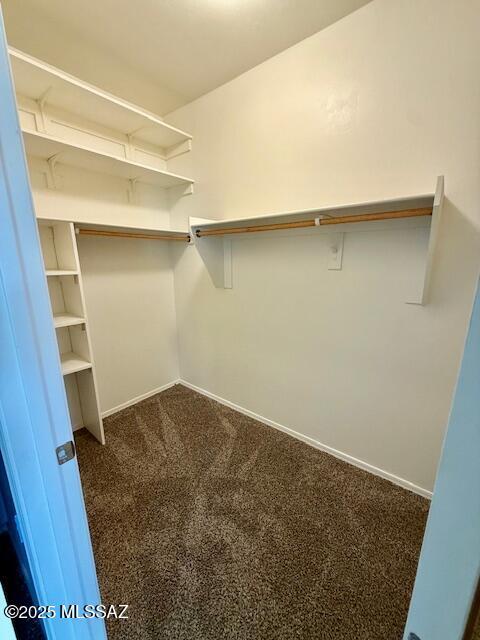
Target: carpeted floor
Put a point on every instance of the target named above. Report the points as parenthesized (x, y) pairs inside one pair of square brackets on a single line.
[(213, 526)]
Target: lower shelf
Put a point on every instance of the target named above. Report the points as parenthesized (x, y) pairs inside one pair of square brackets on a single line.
[(72, 362), (61, 272), (66, 320)]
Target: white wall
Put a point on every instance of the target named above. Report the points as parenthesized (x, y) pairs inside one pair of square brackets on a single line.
[(128, 283), (375, 106), (129, 295)]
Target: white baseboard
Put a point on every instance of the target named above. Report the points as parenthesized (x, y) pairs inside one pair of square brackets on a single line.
[(144, 396), (314, 443)]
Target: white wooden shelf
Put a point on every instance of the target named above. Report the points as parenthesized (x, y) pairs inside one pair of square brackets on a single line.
[(173, 233), (46, 147), (72, 362), (38, 80), (66, 320), (59, 247), (419, 211), (60, 272), (396, 204)]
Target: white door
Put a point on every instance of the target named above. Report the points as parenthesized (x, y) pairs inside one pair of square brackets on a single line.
[(449, 567), (34, 418)]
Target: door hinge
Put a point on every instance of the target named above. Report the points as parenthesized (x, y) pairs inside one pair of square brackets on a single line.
[(65, 452)]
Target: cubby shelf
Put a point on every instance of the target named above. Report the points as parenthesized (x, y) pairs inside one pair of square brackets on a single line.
[(60, 272), (41, 145), (72, 362), (66, 320), (60, 256), (38, 80)]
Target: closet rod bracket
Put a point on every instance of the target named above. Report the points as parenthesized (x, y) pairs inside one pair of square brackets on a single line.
[(318, 219), (52, 175)]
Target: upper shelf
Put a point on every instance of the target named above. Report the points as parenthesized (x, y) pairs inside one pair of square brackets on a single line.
[(46, 147), (35, 79), (60, 272), (212, 237), (248, 225)]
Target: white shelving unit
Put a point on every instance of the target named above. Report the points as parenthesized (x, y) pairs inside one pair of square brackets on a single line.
[(70, 320), (66, 121), (216, 250), (40, 81), (46, 147)]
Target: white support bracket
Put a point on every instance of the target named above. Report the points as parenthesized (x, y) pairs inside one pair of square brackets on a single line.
[(132, 190), (178, 149), (216, 253), (179, 191), (42, 119), (52, 175), (227, 263), (130, 147), (335, 246), (335, 257), (422, 296)]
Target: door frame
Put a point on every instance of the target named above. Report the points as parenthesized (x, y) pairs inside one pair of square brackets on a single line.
[(448, 570), (34, 416)]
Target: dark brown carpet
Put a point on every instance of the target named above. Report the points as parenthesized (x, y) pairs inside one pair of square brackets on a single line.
[(213, 526)]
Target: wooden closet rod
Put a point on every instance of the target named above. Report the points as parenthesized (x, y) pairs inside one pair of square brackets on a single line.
[(366, 217), (124, 234)]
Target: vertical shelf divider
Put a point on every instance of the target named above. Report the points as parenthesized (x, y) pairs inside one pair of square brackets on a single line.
[(62, 264)]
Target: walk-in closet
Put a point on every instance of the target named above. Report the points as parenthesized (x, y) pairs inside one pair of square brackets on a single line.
[(258, 223)]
